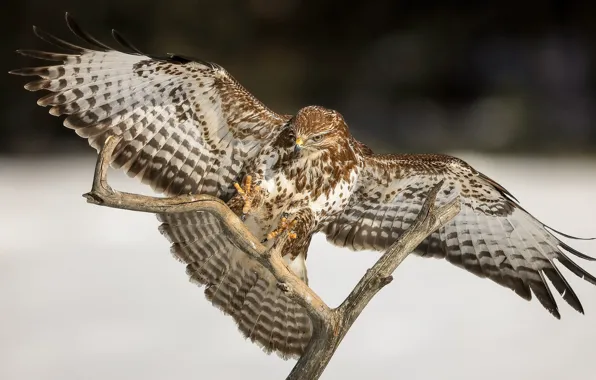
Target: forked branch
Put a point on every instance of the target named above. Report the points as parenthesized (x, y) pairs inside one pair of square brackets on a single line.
[(329, 325)]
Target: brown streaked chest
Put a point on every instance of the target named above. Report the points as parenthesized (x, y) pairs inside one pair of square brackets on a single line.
[(317, 185)]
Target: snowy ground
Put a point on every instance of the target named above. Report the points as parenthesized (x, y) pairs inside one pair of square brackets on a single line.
[(92, 293)]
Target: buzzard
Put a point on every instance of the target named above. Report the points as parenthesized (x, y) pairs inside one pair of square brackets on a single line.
[(187, 126)]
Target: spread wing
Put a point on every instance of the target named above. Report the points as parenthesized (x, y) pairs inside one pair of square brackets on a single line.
[(238, 285), (492, 236), (187, 125)]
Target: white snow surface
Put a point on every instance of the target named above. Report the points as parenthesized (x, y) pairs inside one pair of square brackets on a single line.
[(88, 292)]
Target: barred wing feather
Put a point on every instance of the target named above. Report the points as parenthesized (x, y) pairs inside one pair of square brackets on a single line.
[(187, 126), (492, 236)]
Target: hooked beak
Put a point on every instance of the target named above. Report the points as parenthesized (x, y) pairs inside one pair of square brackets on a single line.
[(298, 145)]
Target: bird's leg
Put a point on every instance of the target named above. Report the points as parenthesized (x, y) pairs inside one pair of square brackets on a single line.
[(298, 226), (247, 196)]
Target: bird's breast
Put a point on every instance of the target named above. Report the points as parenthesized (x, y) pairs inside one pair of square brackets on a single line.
[(324, 196)]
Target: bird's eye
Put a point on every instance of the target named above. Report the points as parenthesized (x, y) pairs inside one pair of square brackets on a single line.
[(317, 138)]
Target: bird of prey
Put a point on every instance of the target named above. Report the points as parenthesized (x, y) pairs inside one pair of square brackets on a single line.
[(187, 126)]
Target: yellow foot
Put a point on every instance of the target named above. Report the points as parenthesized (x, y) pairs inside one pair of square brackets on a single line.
[(248, 194), (283, 226)]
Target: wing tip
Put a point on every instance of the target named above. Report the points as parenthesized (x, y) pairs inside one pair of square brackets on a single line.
[(567, 235), (119, 38), (53, 40), (76, 29), (575, 252), (555, 313), (576, 269)]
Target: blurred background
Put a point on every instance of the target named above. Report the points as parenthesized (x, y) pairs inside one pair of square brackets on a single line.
[(501, 76), (91, 293)]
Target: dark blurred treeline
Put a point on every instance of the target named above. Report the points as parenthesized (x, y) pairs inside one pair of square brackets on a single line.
[(407, 75)]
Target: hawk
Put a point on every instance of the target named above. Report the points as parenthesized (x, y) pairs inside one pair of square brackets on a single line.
[(187, 126)]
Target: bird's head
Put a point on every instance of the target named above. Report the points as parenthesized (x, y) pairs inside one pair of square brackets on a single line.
[(316, 129)]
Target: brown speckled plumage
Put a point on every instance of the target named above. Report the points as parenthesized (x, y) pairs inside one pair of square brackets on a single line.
[(188, 126)]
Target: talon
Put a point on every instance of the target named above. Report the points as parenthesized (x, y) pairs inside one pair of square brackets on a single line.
[(247, 184), (283, 226), (247, 207), (239, 188), (272, 234), (248, 193)]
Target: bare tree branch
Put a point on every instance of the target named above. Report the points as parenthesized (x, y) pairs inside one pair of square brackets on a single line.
[(329, 325), (323, 345)]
